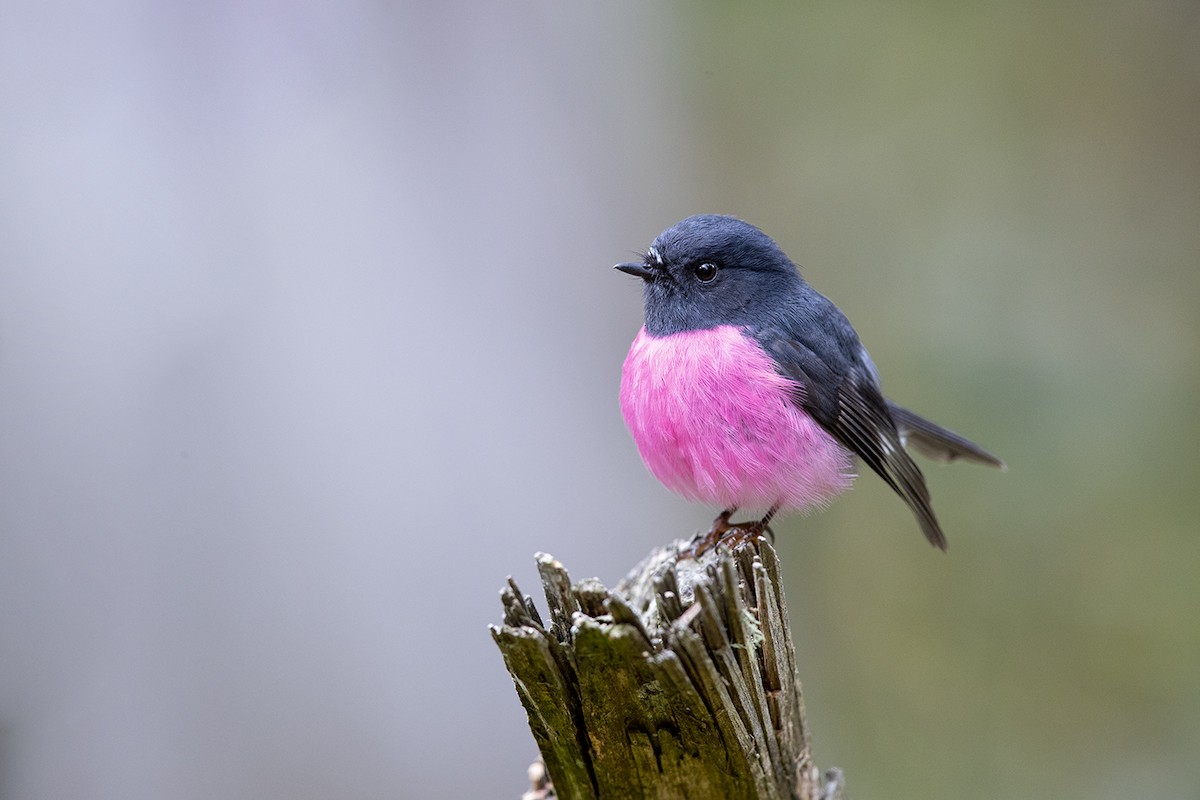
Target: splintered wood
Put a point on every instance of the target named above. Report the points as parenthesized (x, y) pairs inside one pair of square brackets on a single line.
[(680, 682)]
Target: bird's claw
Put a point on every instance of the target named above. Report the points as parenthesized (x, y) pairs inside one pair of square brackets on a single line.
[(730, 533)]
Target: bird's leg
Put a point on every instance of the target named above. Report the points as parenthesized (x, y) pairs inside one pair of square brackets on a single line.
[(748, 530), (721, 523), (719, 528), (732, 532), (764, 524), (702, 542)]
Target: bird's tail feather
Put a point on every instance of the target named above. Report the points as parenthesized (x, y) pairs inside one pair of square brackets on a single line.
[(935, 442)]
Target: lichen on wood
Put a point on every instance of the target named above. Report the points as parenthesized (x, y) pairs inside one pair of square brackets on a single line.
[(679, 682)]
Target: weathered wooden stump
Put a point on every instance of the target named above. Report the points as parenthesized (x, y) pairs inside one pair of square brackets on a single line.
[(680, 682)]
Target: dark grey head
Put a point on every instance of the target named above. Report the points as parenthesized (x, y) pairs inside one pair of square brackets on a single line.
[(712, 270)]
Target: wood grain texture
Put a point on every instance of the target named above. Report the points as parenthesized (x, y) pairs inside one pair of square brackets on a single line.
[(679, 682)]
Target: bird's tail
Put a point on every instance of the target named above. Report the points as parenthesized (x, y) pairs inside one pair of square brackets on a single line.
[(935, 442)]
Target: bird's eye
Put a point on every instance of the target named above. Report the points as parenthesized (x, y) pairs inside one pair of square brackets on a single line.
[(706, 272)]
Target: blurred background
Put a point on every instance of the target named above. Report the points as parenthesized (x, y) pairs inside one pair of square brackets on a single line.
[(309, 338)]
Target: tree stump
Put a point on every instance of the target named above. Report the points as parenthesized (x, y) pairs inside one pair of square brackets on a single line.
[(680, 682)]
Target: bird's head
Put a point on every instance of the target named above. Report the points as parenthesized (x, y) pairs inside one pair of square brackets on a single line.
[(712, 270)]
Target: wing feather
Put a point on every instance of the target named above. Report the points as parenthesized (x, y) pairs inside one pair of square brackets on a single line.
[(841, 393)]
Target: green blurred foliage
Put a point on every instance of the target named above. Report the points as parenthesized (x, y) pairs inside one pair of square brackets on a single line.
[(1005, 199)]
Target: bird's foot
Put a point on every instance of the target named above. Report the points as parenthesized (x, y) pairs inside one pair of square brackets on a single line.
[(721, 525), (739, 532), (731, 533)]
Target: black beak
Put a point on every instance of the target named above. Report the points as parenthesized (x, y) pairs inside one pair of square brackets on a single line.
[(642, 270)]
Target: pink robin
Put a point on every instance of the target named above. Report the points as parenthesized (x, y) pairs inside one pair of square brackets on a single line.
[(748, 388)]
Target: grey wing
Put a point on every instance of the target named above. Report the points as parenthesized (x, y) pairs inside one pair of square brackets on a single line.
[(843, 396), (866, 426)]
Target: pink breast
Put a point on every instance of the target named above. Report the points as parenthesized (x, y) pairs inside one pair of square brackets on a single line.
[(715, 422)]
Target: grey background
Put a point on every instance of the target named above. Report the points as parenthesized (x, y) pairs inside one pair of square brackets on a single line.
[(308, 338)]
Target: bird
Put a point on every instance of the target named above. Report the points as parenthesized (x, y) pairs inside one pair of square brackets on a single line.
[(747, 388)]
